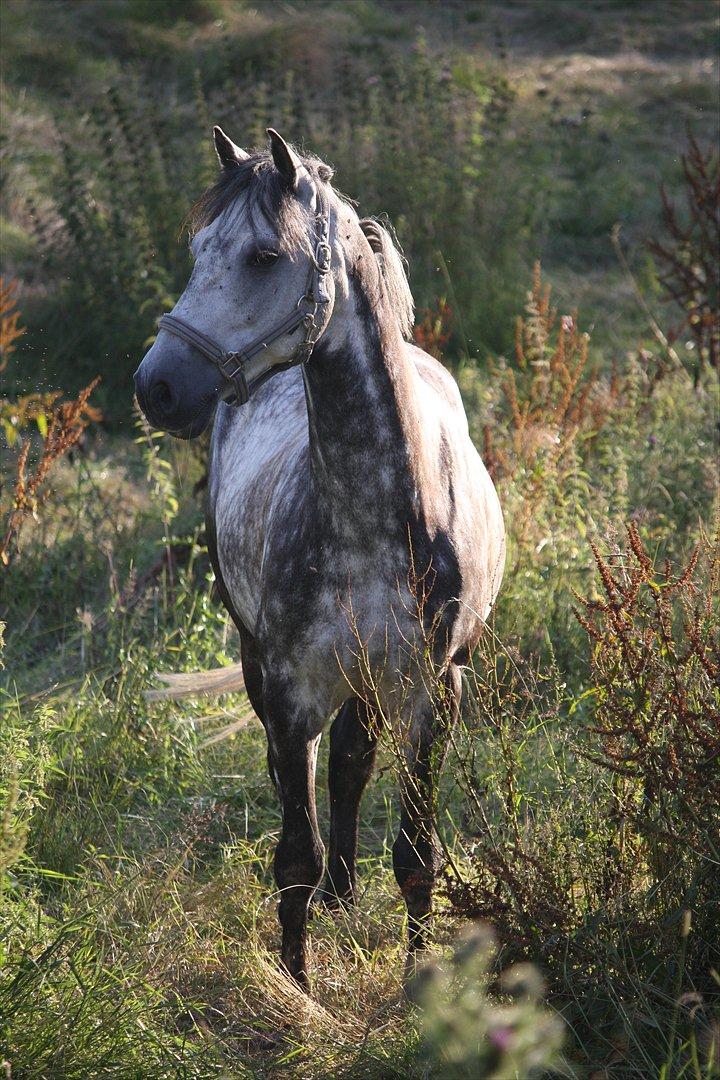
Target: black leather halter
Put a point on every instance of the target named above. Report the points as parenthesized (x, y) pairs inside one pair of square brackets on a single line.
[(231, 363)]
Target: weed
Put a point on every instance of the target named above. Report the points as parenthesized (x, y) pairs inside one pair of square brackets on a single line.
[(610, 838), (688, 257), (467, 1033), (61, 426)]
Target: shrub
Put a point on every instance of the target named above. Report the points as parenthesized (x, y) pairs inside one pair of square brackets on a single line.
[(469, 1034), (18, 413), (61, 426), (415, 138), (688, 256), (655, 679), (599, 861)]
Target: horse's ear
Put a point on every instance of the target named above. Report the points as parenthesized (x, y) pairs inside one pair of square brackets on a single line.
[(228, 153), (287, 163)]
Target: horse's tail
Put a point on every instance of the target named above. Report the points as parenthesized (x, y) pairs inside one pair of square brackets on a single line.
[(199, 683)]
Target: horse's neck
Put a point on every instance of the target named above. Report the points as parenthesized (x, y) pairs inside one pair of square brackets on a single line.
[(363, 424)]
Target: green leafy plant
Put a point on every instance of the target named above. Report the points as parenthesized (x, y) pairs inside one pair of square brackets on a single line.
[(471, 1032)]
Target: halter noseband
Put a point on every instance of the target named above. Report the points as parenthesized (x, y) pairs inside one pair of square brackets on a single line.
[(232, 363)]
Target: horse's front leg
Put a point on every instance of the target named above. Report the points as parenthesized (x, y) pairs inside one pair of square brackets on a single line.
[(299, 854), (353, 744), (414, 851)]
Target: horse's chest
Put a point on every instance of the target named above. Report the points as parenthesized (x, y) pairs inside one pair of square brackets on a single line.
[(338, 626)]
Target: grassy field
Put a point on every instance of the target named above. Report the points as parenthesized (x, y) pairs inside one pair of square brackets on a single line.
[(580, 801)]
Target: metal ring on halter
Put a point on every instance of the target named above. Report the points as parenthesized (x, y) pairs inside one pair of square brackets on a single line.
[(312, 301)]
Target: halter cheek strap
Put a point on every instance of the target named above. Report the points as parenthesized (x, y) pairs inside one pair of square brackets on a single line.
[(232, 364)]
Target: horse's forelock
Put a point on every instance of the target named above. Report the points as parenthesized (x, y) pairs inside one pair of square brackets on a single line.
[(257, 179)]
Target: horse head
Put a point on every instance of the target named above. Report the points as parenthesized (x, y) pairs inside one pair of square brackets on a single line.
[(262, 289)]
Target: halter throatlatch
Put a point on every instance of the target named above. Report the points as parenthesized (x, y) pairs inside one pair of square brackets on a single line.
[(232, 364)]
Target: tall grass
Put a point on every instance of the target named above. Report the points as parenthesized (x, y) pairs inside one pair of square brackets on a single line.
[(415, 139)]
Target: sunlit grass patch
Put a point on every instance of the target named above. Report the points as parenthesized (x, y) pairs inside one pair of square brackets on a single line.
[(151, 951)]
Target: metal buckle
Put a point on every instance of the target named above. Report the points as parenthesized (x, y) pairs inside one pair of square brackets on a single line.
[(234, 357), (236, 376)]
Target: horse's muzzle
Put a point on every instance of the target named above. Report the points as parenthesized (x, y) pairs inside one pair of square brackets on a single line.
[(171, 407)]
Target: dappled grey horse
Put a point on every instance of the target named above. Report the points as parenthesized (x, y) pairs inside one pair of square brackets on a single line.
[(356, 537)]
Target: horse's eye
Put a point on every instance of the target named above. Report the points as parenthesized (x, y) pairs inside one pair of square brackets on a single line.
[(263, 257)]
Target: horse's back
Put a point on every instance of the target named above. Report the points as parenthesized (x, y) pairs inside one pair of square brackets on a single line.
[(439, 380)]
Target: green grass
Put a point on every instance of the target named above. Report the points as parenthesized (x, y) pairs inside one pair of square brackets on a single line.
[(150, 948), (138, 922)]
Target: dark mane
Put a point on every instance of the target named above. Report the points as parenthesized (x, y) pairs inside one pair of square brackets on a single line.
[(259, 181)]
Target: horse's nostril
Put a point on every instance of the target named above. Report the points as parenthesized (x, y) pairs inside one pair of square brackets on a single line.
[(162, 399)]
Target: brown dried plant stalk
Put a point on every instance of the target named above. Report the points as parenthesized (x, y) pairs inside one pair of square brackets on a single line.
[(553, 395), (17, 413), (656, 671), (9, 329), (68, 422), (688, 258), (434, 330), (60, 425), (632, 836)]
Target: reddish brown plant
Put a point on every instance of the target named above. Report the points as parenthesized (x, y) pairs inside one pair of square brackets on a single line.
[(434, 330), (68, 422), (688, 258), (655, 666)]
